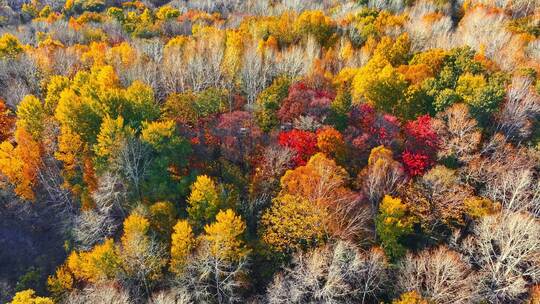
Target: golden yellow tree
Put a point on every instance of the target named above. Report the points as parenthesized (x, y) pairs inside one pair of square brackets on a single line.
[(20, 165), (293, 223), (411, 297), (30, 115), (28, 297), (203, 201), (111, 138), (224, 236), (56, 85), (61, 282), (97, 265), (9, 46), (393, 222), (182, 243), (232, 59)]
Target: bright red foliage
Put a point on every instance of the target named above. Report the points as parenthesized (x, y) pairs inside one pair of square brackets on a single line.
[(421, 144), (415, 163), (304, 143), (420, 135)]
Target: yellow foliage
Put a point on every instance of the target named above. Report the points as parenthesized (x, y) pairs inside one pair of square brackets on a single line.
[(9, 46), (69, 5), (380, 84), (345, 76), (21, 164), (30, 116), (433, 59), (316, 23), (122, 54), (61, 282), (28, 297), (111, 137), (392, 222), (232, 59), (395, 52), (47, 42), (56, 85), (387, 21), (478, 207), (468, 85), (97, 265), (135, 227), (203, 201), (416, 73), (225, 236), (377, 153), (394, 211), (105, 77), (411, 297), (293, 223), (155, 132), (176, 42), (70, 148), (167, 12), (95, 55), (182, 243)]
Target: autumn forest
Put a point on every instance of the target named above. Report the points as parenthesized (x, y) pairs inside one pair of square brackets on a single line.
[(269, 151)]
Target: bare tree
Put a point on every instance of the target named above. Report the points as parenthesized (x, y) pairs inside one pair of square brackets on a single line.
[(291, 62), (533, 50), (506, 174), (331, 274), (111, 192), (391, 5), (445, 193), (522, 105), (482, 27), (276, 160), (306, 123), (519, 8), (100, 294), (212, 279), (203, 67), (133, 160), (427, 33), (143, 259), (95, 225), (458, 133), (382, 176), (173, 296), (352, 221), (256, 73), (506, 248), (517, 190), (18, 78), (440, 275)]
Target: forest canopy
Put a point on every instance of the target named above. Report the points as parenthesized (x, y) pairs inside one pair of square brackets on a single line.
[(269, 151)]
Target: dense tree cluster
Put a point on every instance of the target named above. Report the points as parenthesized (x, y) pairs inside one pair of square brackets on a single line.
[(270, 151)]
